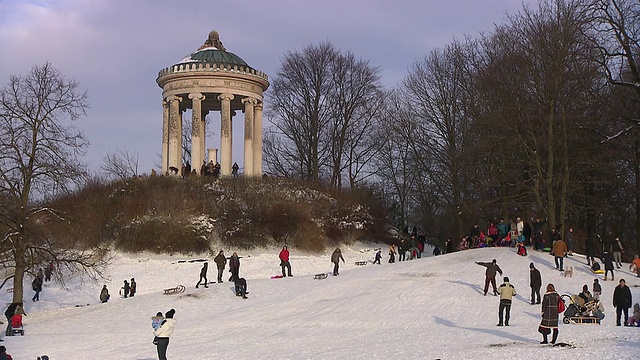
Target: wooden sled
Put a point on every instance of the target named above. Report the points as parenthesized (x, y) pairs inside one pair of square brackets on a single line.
[(581, 320), (360, 263), (176, 290), (320, 276)]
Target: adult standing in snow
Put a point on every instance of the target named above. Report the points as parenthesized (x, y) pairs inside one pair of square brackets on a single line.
[(335, 259), (549, 315), (535, 283), (490, 275), (607, 260), (588, 252), (570, 241), (284, 261), (48, 271), (392, 254), (12, 309), (449, 246), (125, 289), (133, 288), (559, 252), (163, 334), (622, 301), (617, 252), (203, 275), (104, 294), (234, 267), (220, 261), (507, 292), (37, 286)]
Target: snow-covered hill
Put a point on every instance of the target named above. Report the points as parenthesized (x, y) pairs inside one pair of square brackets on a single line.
[(430, 308)]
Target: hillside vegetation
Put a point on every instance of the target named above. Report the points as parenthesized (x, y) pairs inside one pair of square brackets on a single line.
[(193, 215)]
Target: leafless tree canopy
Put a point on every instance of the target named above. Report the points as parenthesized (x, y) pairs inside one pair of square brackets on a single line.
[(323, 106), (121, 164), (39, 148)]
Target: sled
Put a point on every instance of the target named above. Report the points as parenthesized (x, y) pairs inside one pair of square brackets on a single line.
[(320, 276), (581, 320), (176, 290), (360, 263), (277, 277), (598, 271)]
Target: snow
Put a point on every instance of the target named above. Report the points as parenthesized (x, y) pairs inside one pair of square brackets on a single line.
[(421, 309)]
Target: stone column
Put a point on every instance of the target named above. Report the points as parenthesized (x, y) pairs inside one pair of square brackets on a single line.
[(213, 155), (248, 135), (225, 134), (203, 135), (175, 132), (197, 151), (257, 140), (165, 137)]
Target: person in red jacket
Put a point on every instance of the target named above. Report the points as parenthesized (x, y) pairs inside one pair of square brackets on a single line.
[(3, 354), (284, 261)]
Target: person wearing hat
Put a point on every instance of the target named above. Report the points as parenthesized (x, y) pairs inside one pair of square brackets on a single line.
[(3, 354), (535, 283), (490, 275), (163, 334), (507, 292), (203, 276)]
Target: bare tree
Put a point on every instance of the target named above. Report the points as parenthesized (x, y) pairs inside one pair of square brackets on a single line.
[(39, 148), (121, 164), (300, 108)]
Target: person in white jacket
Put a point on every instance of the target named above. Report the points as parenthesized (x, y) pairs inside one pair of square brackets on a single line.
[(163, 334)]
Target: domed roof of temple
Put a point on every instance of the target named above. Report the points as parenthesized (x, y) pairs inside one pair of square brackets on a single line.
[(213, 52)]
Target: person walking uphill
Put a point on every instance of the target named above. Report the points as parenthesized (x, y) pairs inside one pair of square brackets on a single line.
[(535, 283), (335, 259), (203, 275), (622, 301), (163, 334), (559, 252), (549, 315), (507, 292), (284, 261), (37, 287), (220, 261), (490, 275)]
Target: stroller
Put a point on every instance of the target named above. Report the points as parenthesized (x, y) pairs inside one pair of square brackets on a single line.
[(16, 325), (580, 312)]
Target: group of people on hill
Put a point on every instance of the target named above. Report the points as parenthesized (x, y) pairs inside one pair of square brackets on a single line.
[(552, 303)]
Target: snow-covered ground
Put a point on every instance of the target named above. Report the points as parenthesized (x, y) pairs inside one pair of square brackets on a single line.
[(431, 308)]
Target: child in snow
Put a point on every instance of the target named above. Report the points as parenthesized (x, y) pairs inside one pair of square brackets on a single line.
[(597, 289), (378, 257), (156, 321), (635, 318), (241, 287)]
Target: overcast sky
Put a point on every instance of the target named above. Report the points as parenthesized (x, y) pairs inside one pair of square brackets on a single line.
[(115, 48)]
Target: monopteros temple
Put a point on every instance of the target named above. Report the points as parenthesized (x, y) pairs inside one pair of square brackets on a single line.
[(212, 80)]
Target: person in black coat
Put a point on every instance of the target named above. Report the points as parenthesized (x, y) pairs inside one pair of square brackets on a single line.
[(125, 289), (220, 261), (234, 267), (535, 283), (241, 287), (607, 260), (622, 301), (203, 275)]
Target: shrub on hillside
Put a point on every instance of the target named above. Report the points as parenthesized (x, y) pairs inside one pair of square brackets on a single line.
[(162, 235)]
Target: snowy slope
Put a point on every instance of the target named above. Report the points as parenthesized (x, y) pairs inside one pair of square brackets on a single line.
[(422, 309)]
